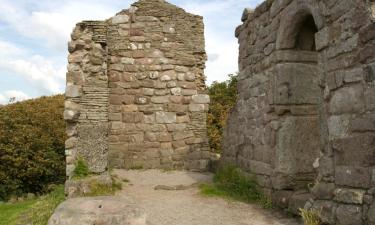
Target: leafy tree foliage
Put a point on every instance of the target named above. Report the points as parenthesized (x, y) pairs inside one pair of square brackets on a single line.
[(32, 136), (223, 97)]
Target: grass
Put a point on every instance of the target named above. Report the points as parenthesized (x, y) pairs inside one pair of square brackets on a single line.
[(35, 212), (81, 170), (98, 189), (310, 217), (10, 212), (38, 211), (231, 183)]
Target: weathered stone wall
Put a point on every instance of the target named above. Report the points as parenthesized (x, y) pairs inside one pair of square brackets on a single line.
[(304, 120), (135, 95)]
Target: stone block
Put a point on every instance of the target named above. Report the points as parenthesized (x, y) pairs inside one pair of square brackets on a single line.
[(349, 215), (98, 210), (297, 201), (371, 214), (322, 39), (349, 196), (197, 107), (71, 115), (347, 100), (327, 210), (72, 91), (360, 147), (296, 84), (370, 98), (363, 123), (281, 198), (323, 191), (166, 117), (181, 135), (356, 177), (298, 146), (201, 99)]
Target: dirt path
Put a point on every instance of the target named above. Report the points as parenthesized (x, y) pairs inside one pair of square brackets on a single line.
[(187, 206)]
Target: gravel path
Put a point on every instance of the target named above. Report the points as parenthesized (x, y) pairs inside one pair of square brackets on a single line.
[(186, 206)]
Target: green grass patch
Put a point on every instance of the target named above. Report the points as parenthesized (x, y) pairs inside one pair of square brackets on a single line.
[(11, 212), (231, 183), (35, 212), (98, 189), (81, 170)]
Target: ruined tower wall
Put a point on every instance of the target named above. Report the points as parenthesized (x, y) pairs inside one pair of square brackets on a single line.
[(158, 101), (304, 120), (135, 95)]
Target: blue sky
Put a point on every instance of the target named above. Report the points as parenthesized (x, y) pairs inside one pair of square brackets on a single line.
[(34, 36)]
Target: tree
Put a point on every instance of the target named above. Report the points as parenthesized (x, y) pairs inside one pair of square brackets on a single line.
[(223, 97)]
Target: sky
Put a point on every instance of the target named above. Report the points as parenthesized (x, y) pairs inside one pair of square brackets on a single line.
[(34, 36)]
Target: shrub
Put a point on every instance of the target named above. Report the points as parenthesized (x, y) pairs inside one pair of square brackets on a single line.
[(223, 96), (32, 136)]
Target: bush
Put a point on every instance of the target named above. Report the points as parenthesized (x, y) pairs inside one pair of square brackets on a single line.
[(223, 97), (32, 136)]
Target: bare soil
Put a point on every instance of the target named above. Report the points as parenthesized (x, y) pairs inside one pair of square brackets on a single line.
[(177, 201)]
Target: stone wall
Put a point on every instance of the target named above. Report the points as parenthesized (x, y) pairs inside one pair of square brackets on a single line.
[(304, 120), (135, 95)]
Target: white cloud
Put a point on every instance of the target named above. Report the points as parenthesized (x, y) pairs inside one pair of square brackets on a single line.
[(13, 96), (44, 74), (52, 25)]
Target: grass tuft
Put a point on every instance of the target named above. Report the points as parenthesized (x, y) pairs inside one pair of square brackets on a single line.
[(81, 170), (230, 182), (98, 189), (310, 217)]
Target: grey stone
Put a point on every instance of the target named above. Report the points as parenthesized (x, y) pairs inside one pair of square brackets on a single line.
[(349, 215), (371, 214), (72, 91), (347, 100), (350, 196), (166, 117), (327, 211), (323, 191), (201, 99), (98, 210), (357, 177)]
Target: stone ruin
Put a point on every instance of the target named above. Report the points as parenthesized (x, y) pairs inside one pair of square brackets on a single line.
[(135, 95), (304, 123)]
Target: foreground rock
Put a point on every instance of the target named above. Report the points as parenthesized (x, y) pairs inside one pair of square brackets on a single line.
[(98, 211)]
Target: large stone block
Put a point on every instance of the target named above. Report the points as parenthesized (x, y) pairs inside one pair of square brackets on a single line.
[(98, 210), (296, 84), (361, 148), (349, 215), (357, 177), (298, 146), (350, 196), (166, 117), (347, 100)]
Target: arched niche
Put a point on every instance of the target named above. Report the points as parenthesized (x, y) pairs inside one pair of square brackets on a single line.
[(294, 19), (298, 94)]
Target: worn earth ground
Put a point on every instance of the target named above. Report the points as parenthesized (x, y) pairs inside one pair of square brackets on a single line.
[(186, 206)]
